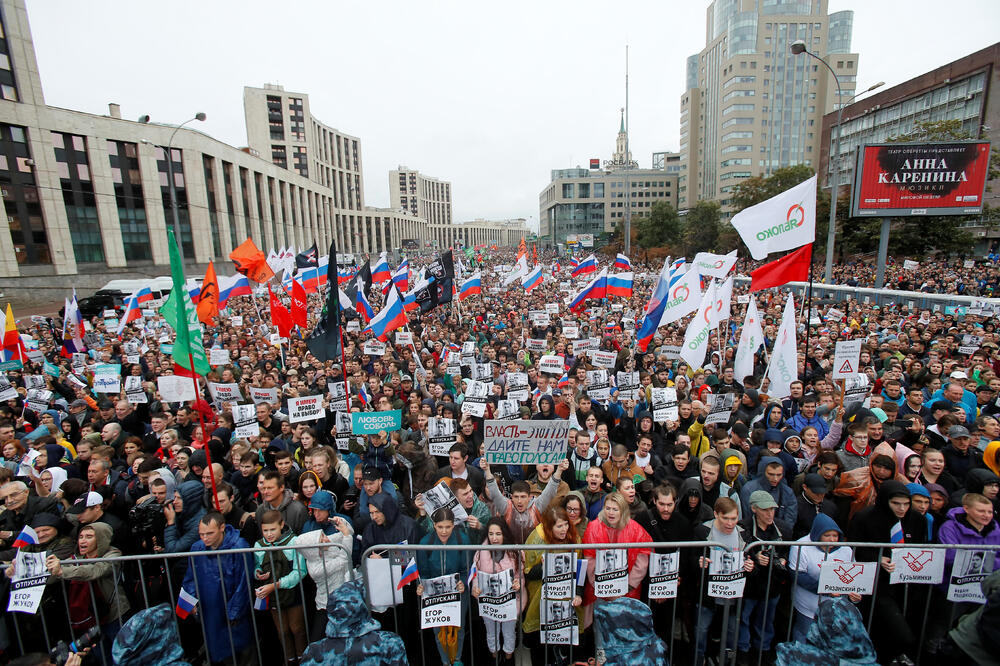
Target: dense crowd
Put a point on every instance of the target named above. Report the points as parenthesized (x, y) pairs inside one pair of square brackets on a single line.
[(914, 458)]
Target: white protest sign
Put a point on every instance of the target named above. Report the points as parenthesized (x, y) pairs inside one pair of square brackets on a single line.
[(245, 421), (108, 378), (721, 408), (665, 404), (968, 571), (353, 326), (259, 395), (969, 263), (552, 308), (441, 604), (218, 356), (441, 497), (917, 565), (846, 357), (338, 396), (535, 345), (558, 619), (834, 314), (847, 577), (856, 391), (37, 400), (598, 384), (28, 583), (34, 382), (726, 577), (586, 344), (223, 393), (571, 332), (552, 364), (343, 430), (174, 388), (441, 435), (404, 338), (628, 385), (970, 343), (525, 442), (475, 398), (236, 320), (373, 348), (497, 599), (603, 359), (663, 575), (132, 359), (671, 351), (910, 265), (517, 386), (134, 392), (7, 390), (611, 573), (482, 371), (305, 408)]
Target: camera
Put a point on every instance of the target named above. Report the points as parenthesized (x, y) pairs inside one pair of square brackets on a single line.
[(353, 495), (147, 522), (60, 653)]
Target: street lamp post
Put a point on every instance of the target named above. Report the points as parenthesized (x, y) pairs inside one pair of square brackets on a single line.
[(170, 177), (798, 47)]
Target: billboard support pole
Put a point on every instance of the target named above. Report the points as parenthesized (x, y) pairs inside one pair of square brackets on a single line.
[(883, 251)]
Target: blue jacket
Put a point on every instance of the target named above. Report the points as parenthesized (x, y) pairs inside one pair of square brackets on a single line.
[(224, 605), (353, 638), (180, 536), (799, 422), (788, 506)]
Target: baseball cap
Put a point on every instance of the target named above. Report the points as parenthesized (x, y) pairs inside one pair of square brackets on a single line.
[(958, 374), (76, 404), (958, 431), (322, 500), (406, 378), (762, 500), (85, 502), (815, 483), (371, 474)]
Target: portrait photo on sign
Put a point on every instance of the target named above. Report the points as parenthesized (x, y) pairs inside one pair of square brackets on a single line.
[(611, 560), (435, 587), (476, 390), (440, 427), (558, 564)]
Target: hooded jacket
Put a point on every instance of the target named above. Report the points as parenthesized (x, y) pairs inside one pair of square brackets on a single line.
[(837, 637), (699, 514), (293, 511), (353, 637), (149, 637), (397, 528), (629, 637), (782, 494), (969, 634), (958, 530), (807, 560), (543, 416), (104, 574), (975, 481), (874, 524), (861, 484), (328, 565), (179, 537)]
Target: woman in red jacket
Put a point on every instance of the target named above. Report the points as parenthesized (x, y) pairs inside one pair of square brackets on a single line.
[(613, 572)]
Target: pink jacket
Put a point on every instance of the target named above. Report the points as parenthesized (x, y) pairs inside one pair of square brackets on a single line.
[(510, 560)]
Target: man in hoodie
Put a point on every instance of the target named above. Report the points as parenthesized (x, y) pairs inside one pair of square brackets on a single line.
[(581, 459), (712, 485), (275, 496), (522, 512), (812, 501), (807, 560), (771, 479), (183, 515)]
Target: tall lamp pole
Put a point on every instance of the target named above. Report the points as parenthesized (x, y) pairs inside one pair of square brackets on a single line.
[(798, 47), (170, 176)]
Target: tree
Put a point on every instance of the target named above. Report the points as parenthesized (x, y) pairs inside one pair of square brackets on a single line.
[(662, 227), (703, 228)]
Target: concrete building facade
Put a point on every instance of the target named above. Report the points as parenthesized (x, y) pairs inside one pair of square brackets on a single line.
[(420, 195), (502, 233), (750, 105)]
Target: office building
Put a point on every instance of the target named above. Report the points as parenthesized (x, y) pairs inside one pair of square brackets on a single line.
[(420, 195), (751, 106), (502, 233), (666, 161)]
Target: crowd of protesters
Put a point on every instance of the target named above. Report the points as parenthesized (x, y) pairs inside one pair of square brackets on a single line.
[(129, 474)]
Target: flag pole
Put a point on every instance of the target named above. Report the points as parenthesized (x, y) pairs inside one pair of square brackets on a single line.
[(201, 421), (809, 298)]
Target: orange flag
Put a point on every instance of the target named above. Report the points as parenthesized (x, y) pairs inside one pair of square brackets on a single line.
[(208, 299), (251, 262)]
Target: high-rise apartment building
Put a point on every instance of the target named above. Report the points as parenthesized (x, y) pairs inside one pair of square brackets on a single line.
[(751, 106), (420, 195)]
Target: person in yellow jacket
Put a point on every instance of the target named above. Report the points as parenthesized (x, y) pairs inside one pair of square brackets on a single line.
[(700, 443)]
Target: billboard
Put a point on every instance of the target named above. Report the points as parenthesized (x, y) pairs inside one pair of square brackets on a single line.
[(411, 244), (586, 240), (905, 179)]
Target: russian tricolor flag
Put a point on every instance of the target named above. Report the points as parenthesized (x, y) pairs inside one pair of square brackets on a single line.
[(389, 318), (364, 308), (620, 285), (622, 263), (573, 262), (132, 312), (670, 274), (185, 604), (381, 272), (472, 574), (595, 289), (233, 285), (410, 574), (588, 265), (532, 279), (309, 278), (471, 287), (401, 277), (410, 301), (260, 603), (144, 295), (27, 537), (563, 381), (73, 331), (363, 396)]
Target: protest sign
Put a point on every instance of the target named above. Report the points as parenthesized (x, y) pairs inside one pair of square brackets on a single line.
[(475, 398), (507, 410), (134, 392), (373, 348), (372, 423), (598, 384), (721, 408), (342, 430), (611, 573), (552, 364), (218, 356), (306, 408), (585, 345), (497, 599), (525, 442), (50, 369), (552, 308), (440, 496), (517, 386), (132, 359), (108, 378), (535, 345), (404, 338), (917, 565), (37, 400), (726, 577), (910, 265), (628, 385), (663, 573), (847, 354), (245, 421), (847, 577), (338, 396), (671, 351), (441, 604), (441, 435), (968, 571), (223, 393), (970, 344), (7, 390), (236, 320), (559, 625), (856, 390), (175, 388), (28, 582), (571, 332), (267, 395), (482, 371), (603, 359), (34, 382), (665, 404)]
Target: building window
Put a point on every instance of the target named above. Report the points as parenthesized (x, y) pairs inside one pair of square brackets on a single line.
[(78, 197), (213, 212), (227, 184), (176, 163), (21, 201), (124, 161)]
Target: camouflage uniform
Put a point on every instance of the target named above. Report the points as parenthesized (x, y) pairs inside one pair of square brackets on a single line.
[(837, 636), (150, 637), (629, 639)]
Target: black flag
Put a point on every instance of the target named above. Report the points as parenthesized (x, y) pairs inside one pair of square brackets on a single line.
[(308, 258), (324, 341)]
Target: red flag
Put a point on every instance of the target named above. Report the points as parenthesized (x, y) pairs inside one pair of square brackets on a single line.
[(792, 267), (208, 299), (299, 304), (280, 316), (251, 262)]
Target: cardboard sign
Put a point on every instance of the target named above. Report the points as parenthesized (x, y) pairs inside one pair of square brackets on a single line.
[(847, 577), (726, 577), (28, 583), (598, 384), (535, 345), (441, 435), (134, 392), (611, 573), (373, 348), (628, 385), (517, 386), (245, 422), (441, 604), (917, 565), (338, 396), (603, 359), (507, 410), (968, 571), (525, 442), (266, 395), (218, 356), (846, 356), (497, 599), (571, 332), (440, 496), (223, 393), (665, 404), (559, 624), (475, 398), (663, 575), (372, 423), (856, 391), (552, 364), (721, 408), (404, 338), (174, 388), (305, 408)]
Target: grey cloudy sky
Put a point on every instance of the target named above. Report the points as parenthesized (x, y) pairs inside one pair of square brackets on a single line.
[(490, 96)]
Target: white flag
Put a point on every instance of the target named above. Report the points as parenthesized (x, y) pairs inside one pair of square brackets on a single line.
[(520, 270), (751, 337), (682, 298), (724, 300), (714, 265), (785, 356), (699, 329), (783, 222)]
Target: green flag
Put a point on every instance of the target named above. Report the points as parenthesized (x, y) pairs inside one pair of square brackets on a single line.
[(469, 253), (181, 315)]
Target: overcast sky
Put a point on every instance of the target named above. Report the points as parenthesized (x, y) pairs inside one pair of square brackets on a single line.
[(489, 96)]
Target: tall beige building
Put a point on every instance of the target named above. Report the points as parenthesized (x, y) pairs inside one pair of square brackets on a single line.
[(751, 106), (420, 195)]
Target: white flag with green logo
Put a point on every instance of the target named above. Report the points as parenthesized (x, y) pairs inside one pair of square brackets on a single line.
[(783, 222)]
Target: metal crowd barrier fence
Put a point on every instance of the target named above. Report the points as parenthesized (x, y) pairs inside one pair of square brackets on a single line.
[(917, 598)]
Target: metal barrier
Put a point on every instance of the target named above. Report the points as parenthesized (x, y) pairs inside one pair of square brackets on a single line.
[(262, 647)]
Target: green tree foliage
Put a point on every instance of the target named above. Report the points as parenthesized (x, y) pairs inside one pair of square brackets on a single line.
[(661, 228), (703, 229)]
